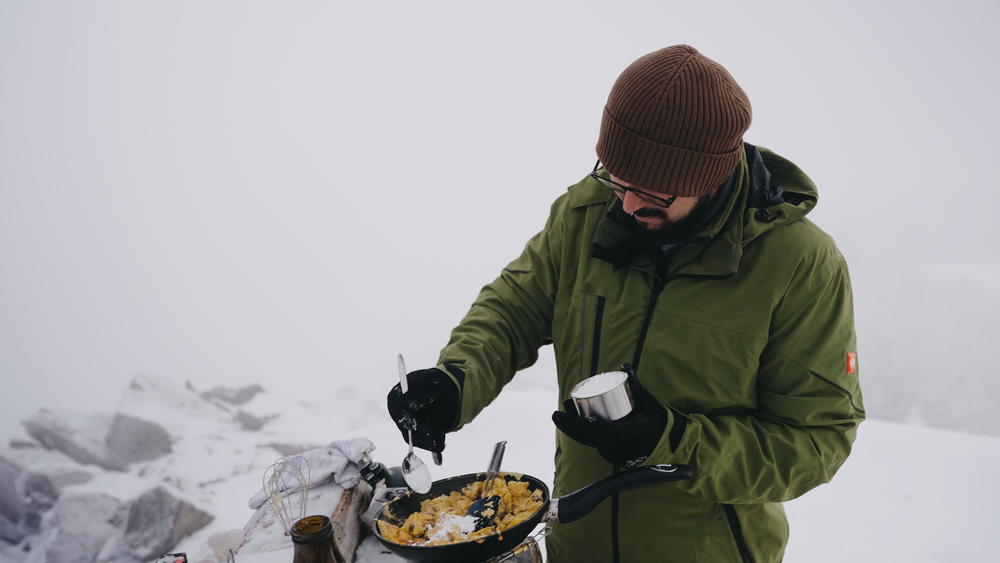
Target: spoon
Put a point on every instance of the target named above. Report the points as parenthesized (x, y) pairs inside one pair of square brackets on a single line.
[(485, 509), (416, 474)]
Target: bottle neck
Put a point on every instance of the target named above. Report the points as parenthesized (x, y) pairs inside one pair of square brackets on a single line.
[(312, 529), (312, 537)]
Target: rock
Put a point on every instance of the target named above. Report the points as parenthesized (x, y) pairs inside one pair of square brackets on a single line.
[(233, 396), (11, 532), (39, 495), (249, 422), (24, 498), (79, 436), (133, 439), (119, 519), (76, 530), (157, 521), (11, 505), (19, 444), (59, 468), (117, 551), (38, 491), (178, 410), (12, 510)]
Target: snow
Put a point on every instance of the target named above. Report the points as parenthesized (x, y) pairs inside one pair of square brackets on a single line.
[(906, 493)]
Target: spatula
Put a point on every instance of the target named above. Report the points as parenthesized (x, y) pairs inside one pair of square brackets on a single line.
[(485, 509)]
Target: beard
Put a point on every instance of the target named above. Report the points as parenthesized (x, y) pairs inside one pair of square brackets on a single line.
[(678, 229)]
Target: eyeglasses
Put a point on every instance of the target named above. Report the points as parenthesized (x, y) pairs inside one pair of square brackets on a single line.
[(622, 190)]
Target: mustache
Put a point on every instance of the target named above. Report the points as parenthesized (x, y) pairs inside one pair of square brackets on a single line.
[(649, 212)]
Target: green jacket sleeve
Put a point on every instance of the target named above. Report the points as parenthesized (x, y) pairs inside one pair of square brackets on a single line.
[(808, 405), (507, 324)]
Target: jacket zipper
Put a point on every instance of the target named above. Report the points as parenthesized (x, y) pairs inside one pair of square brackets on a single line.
[(737, 529), (731, 515), (657, 288), (596, 355), (658, 285), (594, 366), (616, 557)]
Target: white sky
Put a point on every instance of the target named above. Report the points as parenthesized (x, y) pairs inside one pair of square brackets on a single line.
[(292, 193)]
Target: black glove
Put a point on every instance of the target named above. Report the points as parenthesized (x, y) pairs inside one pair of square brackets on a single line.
[(429, 408), (626, 442)]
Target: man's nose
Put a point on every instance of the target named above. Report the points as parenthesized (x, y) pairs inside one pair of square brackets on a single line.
[(632, 203)]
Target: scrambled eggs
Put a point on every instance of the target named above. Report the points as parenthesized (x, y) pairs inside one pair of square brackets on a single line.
[(442, 520)]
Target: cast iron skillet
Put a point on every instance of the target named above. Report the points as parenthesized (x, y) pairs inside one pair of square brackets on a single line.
[(564, 509)]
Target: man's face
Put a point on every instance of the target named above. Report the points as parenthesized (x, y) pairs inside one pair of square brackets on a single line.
[(655, 219)]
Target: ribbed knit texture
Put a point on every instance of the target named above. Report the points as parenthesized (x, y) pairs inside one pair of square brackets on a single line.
[(674, 123)]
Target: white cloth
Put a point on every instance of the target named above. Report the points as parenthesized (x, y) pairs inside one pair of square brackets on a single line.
[(339, 461)]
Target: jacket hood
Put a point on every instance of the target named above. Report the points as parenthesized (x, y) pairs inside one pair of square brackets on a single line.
[(770, 192), (779, 192)]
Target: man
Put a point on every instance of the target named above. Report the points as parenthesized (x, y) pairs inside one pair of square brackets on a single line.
[(687, 255)]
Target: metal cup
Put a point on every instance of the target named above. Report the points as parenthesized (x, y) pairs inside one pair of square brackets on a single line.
[(605, 395)]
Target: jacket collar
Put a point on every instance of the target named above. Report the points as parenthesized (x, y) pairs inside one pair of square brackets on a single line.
[(713, 250), (755, 206)]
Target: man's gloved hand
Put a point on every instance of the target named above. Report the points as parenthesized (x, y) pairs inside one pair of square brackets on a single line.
[(626, 442), (429, 408)]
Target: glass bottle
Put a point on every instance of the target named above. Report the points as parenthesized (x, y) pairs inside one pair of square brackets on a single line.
[(312, 537)]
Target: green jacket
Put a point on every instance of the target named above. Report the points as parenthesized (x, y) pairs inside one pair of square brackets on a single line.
[(747, 334)]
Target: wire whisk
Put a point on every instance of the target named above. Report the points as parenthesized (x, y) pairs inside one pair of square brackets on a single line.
[(285, 482)]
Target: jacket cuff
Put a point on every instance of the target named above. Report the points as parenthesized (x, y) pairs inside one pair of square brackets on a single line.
[(457, 377), (677, 443)]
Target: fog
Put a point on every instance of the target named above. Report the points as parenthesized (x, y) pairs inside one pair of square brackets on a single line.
[(290, 194)]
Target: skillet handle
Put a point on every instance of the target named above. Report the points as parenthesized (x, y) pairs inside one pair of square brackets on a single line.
[(578, 504)]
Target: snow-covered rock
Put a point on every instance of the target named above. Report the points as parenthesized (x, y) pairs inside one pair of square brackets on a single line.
[(132, 439), (76, 530), (117, 551), (39, 495), (156, 471), (176, 408), (89, 462), (79, 436), (60, 469), (157, 520), (24, 497), (12, 509), (233, 396), (248, 421)]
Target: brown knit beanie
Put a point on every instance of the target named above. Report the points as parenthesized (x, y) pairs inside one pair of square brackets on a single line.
[(674, 123)]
